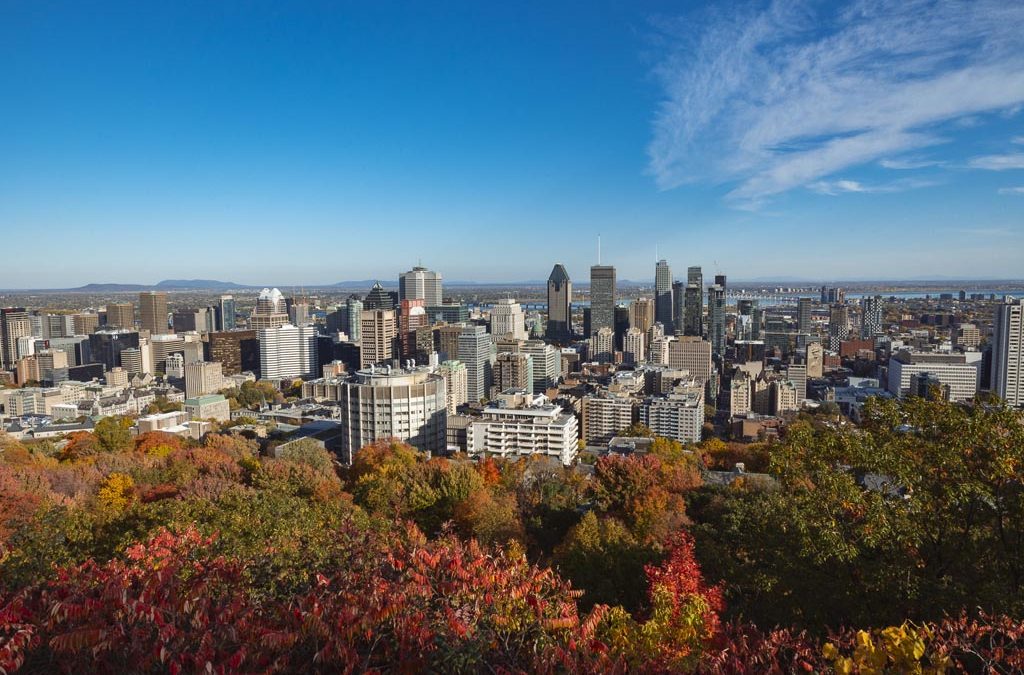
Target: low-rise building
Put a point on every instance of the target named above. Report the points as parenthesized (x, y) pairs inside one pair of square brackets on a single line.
[(212, 406)]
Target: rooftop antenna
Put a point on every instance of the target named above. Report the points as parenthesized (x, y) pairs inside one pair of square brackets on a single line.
[(599, 249), (656, 258)]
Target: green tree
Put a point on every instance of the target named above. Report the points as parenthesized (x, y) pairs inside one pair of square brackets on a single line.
[(309, 452), (914, 515), (112, 434), (602, 557)]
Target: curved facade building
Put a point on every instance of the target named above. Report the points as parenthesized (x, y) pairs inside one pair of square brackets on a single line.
[(376, 404)]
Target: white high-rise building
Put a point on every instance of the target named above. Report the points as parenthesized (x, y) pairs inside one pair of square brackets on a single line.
[(507, 318), (1008, 353), (287, 351), (419, 283), (382, 403)]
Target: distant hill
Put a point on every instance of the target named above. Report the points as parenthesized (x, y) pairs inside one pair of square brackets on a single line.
[(108, 288), (166, 285), (202, 284)]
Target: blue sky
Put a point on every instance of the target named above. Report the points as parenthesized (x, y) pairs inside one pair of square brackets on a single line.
[(303, 143)]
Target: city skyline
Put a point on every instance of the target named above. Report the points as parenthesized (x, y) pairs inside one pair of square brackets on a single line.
[(889, 142)]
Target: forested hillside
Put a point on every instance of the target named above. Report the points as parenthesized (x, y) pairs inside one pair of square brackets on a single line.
[(896, 546)]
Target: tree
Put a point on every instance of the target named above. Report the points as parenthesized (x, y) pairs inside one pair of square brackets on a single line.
[(602, 557), (309, 452), (162, 405), (916, 515), (158, 443), (490, 516), (637, 429), (112, 434), (117, 491)]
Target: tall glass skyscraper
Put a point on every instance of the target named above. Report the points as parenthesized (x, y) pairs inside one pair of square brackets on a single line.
[(602, 298), (559, 304), (663, 296), (693, 322), (225, 313), (716, 317)]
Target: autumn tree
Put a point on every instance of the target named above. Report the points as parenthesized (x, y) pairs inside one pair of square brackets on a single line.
[(112, 434)]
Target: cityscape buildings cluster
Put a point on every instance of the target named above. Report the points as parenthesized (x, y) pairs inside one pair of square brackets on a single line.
[(683, 358)]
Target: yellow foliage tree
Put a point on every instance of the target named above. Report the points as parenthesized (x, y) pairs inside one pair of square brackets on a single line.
[(898, 649), (117, 491)]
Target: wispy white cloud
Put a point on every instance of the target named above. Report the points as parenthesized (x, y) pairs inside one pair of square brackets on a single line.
[(908, 163), (998, 162), (838, 187), (1017, 139), (1012, 191), (783, 95)]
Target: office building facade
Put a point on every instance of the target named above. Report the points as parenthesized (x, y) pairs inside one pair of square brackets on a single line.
[(559, 327)]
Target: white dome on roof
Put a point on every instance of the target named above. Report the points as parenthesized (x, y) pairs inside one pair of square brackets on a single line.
[(273, 295), (417, 311)]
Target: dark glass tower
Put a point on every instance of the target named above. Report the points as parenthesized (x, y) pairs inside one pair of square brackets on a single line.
[(602, 298), (663, 296), (559, 326)]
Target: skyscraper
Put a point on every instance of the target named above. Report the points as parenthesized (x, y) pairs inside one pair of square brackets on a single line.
[(271, 311), (454, 374), (693, 321), (1008, 353), (225, 313), (299, 311), (803, 316), (513, 370), (559, 304), (871, 317), (663, 296), (602, 298), (641, 314), (378, 298), (288, 351), (85, 323), (411, 317), (716, 317), (379, 331), (121, 315), (602, 345), (838, 325), (633, 346), (475, 351), (507, 319), (14, 323), (153, 312), (678, 306), (419, 283), (237, 351)]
